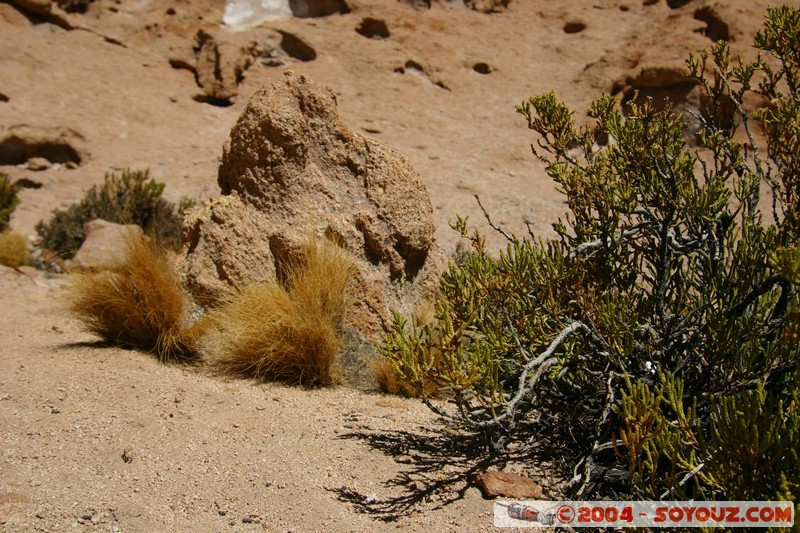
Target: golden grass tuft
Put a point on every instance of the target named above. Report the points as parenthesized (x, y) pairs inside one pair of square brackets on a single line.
[(287, 332), (14, 250), (140, 304)]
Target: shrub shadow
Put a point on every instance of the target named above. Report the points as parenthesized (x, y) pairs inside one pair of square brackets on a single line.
[(441, 467)]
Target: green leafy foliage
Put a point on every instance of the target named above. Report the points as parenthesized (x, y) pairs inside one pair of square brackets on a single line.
[(130, 197), (651, 348)]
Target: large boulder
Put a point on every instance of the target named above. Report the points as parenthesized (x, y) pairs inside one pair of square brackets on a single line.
[(293, 172)]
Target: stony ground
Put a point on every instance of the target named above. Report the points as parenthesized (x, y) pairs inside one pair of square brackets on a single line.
[(101, 439)]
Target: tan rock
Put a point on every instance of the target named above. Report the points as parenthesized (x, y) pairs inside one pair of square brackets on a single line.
[(37, 7), (104, 246), (490, 6), (21, 142), (38, 163), (293, 171), (496, 484), (222, 58)]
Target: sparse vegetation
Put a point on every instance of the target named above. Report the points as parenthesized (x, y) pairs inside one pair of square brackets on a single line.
[(130, 197), (286, 331), (427, 383), (650, 349), (14, 249), (8, 200), (140, 305)]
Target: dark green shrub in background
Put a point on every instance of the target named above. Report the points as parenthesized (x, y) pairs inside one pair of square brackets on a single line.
[(125, 198), (651, 349), (8, 200)]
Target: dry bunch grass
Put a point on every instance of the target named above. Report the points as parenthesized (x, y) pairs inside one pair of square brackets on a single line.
[(286, 332), (140, 304), (14, 250)]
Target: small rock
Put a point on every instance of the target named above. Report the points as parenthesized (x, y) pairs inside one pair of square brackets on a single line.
[(495, 484), (404, 459), (127, 456), (247, 520), (222, 512), (38, 163), (104, 246)]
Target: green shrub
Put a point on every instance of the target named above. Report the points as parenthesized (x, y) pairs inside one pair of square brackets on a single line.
[(8, 200), (651, 348), (125, 198)]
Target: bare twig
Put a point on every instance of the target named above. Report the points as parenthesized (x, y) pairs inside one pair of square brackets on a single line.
[(491, 224)]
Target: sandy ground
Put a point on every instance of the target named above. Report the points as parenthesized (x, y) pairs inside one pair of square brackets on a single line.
[(102, 439)]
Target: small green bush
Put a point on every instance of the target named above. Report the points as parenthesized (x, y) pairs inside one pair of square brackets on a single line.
[(8, 200), (125, 198), (650, 349)]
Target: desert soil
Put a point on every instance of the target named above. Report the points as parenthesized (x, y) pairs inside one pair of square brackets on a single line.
[(96, 438)]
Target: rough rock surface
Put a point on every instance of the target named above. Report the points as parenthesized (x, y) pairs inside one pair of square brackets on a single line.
[(317, 8), (37, 7), (489, 6), (222, 58), (293, 171), (494, 484), (104, 246), (22, 142), (485, 6)]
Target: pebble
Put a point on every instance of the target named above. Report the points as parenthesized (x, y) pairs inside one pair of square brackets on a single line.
[(38, 163), (247, 520)]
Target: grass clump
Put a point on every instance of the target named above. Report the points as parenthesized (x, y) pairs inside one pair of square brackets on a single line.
[(130, 197), (14, 250), (141, 304), (286, 331)]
